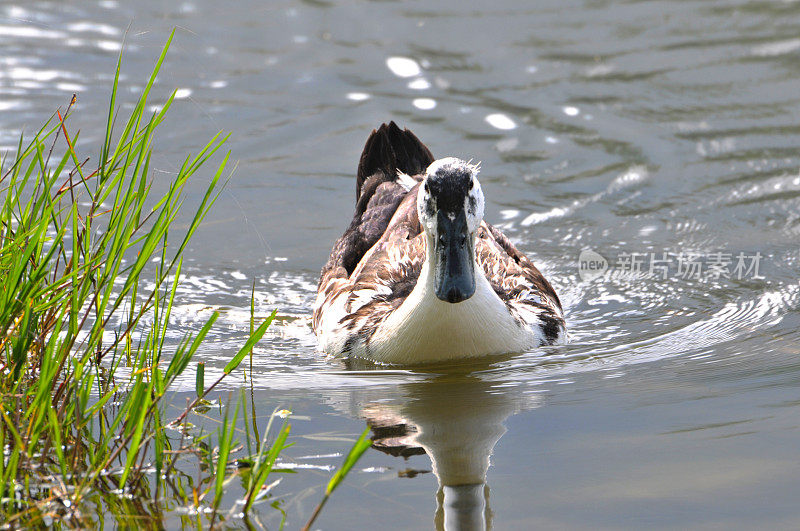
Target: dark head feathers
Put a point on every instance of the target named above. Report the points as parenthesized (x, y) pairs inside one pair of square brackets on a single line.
[(449, 185)]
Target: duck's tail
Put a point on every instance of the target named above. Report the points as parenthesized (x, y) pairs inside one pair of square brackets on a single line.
[(390, 150)]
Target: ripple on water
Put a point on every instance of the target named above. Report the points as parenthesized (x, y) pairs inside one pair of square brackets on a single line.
[(615, 322)]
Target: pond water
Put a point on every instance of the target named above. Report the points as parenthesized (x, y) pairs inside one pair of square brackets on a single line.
[(629, 129)]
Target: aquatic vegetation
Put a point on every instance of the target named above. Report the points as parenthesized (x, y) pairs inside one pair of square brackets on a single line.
[(90, 262), (352, 457)]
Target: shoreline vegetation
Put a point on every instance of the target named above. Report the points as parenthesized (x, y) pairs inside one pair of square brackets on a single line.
[(88, 276)]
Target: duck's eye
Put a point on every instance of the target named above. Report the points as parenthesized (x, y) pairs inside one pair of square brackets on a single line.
[(442, 240), (462, 240), (472, 184), (427, 188)]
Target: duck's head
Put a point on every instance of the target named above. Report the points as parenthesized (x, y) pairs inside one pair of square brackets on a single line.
[(450, 207)]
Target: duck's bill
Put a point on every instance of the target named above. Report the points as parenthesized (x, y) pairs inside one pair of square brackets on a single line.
[(455, 269)]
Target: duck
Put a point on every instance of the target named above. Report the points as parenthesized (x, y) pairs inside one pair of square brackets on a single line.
[(419, 276)]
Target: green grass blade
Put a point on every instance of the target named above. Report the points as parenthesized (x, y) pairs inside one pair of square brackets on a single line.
[(199, 382), (355, 453), (254, 338)]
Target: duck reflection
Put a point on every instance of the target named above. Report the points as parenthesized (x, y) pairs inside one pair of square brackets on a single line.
[(456, 420)]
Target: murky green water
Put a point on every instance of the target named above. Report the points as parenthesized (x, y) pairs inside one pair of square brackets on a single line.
[(631, 129)]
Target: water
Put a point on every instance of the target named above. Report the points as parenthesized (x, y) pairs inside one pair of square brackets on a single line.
[(631, 129)]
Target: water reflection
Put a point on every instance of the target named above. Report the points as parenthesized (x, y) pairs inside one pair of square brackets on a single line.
[(456, 419)]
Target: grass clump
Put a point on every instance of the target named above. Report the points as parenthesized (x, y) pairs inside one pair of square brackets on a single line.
[(88, 276)]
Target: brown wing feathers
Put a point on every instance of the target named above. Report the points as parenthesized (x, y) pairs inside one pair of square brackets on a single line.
[(388, 150)]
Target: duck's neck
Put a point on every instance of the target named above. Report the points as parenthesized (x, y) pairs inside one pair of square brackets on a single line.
[(426, 329)]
